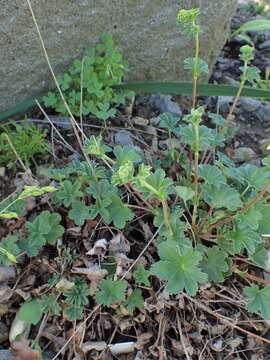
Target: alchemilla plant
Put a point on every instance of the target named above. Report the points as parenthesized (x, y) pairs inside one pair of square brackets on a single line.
[(88, 86), (209, 214)]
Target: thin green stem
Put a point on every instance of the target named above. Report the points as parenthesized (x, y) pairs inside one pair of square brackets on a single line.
[(239, 92), (195, 78)]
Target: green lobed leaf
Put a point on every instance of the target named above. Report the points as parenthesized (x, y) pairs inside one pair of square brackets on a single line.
[(222, 196), (168, 121), (110, 291), (258, 300), (153, 185), (126, 154), (180, 269), (50, 305), (211, 174), (185, 193), (141, 275), (243, 239), (45, 229), (79, 212), (31, 312), (215, 264), (134, 301), (69, 193), (120, 214)]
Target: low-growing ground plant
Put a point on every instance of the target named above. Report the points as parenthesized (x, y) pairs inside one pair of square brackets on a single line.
[(25, 140), (88, 86), (207, 215)]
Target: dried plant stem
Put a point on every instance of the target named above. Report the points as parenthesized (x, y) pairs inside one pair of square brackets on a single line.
[(226, 321), (16, 153)]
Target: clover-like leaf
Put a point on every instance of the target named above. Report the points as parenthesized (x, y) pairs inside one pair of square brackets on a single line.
[(215, 264), (110, 291), (180, 269), (258, 300), (79, 213), (69, 193), (134, 301), (222, 196)]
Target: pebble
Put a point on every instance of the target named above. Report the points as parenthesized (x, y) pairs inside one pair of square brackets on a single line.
[(243, 154), (123, 138), (265, 45), (250, 105), (137, 120), (165, 104)]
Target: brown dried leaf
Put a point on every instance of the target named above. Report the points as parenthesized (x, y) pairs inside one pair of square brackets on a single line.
[(20, 350), (119, 244), (99, 248)]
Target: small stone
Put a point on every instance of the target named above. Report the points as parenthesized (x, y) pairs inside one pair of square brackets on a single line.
[(137, 120), (243, 154), (165, 104), (263, 113), (265, 45), (250, 105), (123, 138), (4, 355)]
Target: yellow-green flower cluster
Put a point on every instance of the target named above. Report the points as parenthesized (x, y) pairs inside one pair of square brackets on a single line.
[(187, 18)]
